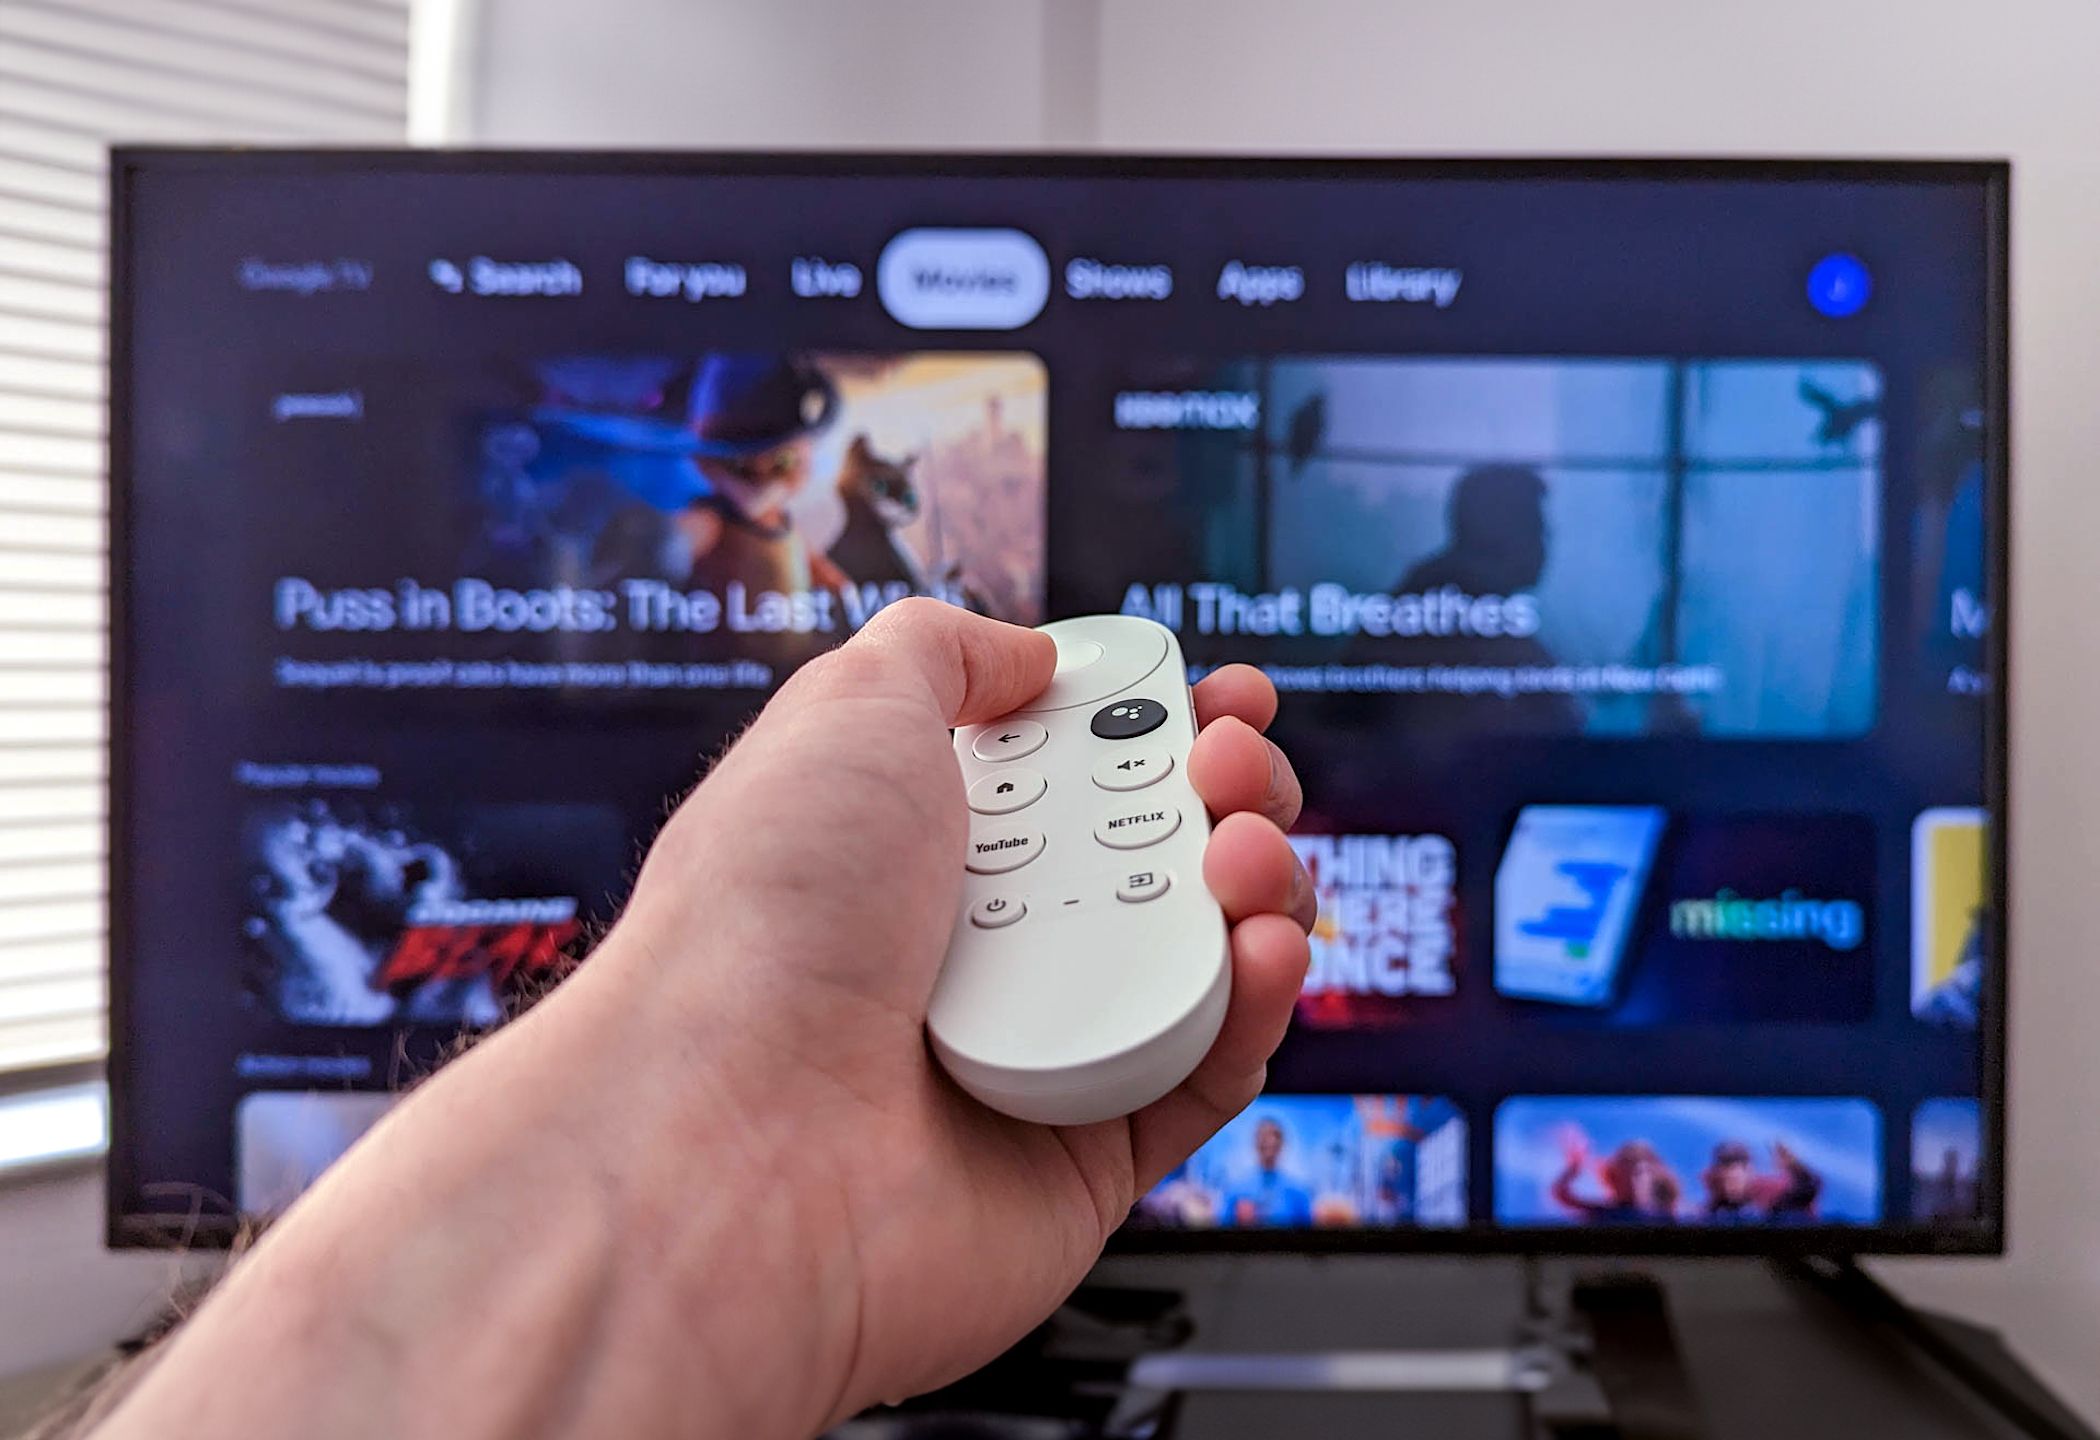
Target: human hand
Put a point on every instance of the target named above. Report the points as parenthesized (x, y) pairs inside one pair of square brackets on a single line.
[(828, 842), (714, 1184)]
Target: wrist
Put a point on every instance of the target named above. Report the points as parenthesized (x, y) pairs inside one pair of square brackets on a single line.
[(734, 1236)]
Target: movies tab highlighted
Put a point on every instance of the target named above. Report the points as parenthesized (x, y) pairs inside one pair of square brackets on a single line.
[(963, 279)]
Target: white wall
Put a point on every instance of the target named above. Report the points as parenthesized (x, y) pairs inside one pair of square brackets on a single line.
[(782, 73), (64, 1296)]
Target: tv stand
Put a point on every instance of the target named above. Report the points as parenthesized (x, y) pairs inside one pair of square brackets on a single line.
[(1252, 1347), (1624, 1378), (1974, 1355), (1598, 1363)]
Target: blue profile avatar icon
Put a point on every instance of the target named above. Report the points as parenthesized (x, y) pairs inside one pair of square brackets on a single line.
[(1839, 285)]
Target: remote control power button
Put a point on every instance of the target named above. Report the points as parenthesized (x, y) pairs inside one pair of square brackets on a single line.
[(996, 910), (1142, 885), (1009, 740), (1137, 826), (994, 852), (1132, 767), (1128, 719), (1004, 791)]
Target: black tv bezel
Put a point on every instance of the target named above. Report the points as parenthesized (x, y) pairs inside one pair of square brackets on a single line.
[(1987, 1237)]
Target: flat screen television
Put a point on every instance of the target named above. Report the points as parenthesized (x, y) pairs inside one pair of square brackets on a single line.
[(1627, 539)]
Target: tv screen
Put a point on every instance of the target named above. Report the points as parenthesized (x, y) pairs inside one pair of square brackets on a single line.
[(1626, 540)]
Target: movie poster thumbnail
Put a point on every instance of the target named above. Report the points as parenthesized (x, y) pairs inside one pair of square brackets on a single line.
[(1687, 1160), (1949, 914), (1946, 1155), (370, 913), (1386, 939), (284, 1139), (1599, 547), (1297, 1161), (773, 501), (1631, 916)]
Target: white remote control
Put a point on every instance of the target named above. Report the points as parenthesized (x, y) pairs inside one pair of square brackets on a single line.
[(1087, 973)]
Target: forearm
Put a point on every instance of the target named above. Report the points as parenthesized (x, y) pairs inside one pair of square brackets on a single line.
[(513, 1262)]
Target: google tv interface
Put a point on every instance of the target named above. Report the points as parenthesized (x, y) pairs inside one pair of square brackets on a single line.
[(1622, 540)]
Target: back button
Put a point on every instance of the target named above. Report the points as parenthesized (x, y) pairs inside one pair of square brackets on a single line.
[(1009, 741)]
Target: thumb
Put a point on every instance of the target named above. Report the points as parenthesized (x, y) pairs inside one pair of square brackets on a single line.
[(966, 667)]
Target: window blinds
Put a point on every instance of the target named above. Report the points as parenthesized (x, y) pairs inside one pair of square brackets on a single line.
[(75, 77)]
